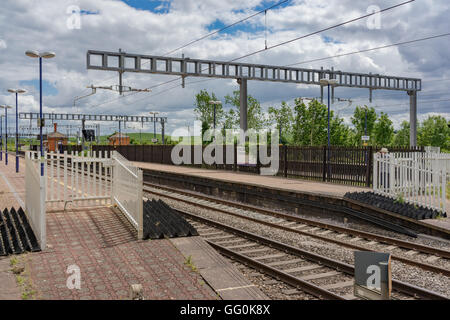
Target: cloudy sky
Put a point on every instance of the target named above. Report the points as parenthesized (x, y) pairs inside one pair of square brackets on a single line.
[(157, 27)]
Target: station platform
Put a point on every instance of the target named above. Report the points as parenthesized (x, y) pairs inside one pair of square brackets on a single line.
[(256, 189), (294, 185), (102, 244)]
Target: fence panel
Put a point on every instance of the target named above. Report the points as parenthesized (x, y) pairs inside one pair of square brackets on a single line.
[(127, 191), (418, 178), (35, 207)]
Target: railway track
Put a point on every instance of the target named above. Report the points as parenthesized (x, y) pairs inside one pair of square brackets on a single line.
[(342, 236), (317, 275)]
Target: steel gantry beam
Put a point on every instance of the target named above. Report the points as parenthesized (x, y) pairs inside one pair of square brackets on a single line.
[(185, 67), (90, 117)]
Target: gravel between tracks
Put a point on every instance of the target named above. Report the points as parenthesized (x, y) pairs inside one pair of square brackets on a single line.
[(400, 271)]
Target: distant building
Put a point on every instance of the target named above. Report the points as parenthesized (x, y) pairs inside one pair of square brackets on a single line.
[(119, 139), (55, 140)]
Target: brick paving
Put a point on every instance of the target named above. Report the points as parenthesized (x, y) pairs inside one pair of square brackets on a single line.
[(12, 184), (102, 244)]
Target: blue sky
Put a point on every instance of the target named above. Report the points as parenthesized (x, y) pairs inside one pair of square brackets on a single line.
[(156, 6), (47, 88)]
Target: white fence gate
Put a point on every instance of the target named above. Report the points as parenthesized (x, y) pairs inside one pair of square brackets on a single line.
[(127, 190), (35, 206), (84, 179), (418, 178), (88, 180)]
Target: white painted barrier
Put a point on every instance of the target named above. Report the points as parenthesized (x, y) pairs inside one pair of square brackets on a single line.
[(127, 191), (418, 178), (35, 192), (85, 179)]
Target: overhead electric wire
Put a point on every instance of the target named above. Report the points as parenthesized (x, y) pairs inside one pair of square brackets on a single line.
[(367, 50), (214, 32), (323, 30), (302, 37)]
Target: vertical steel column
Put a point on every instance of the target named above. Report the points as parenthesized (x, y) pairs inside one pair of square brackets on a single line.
[(82, 133), (243, 103), (40, 117), (412, 118), (162, 130), (1, 138), (17, 133), (6, 136)]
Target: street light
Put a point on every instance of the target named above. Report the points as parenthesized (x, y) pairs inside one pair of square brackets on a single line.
[(40, 55), (17, 92), (6, 130), (154, 113), (215, 103), (328, 83)]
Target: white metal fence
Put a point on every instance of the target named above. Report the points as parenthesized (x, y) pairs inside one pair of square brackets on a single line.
[(80, 178), (35, 206), (127, 190), (418, 178)]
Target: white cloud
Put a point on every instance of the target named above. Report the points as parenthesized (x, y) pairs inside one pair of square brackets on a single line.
[(41, 25)]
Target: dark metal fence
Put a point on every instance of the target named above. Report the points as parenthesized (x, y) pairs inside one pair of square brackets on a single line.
[(345, 165)]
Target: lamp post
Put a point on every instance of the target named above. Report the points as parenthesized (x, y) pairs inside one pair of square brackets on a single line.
[(17, 92), (215, 103), (328, 83), (40, 55), (6, 131), (154, 113)]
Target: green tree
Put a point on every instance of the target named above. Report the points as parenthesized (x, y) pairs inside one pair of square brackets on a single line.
[(402, 136), (358, 120), (383, 130), (435, 132), (282, 117), (310, 123), (255, 116), (204, 110), (339, 132)]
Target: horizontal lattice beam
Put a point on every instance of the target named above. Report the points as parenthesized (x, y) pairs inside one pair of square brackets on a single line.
[(90, 117), (186, 67)]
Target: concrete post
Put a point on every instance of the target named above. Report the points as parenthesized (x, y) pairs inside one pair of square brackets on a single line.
[(243, 103), (412, 118)]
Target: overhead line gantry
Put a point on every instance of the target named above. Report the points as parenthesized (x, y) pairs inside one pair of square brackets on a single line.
[(185, 67)]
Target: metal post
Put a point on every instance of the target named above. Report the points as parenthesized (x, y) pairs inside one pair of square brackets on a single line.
[(82, 133), (6, 136), (329, 138), (243, 104), (162, 130), (1, 138), (154, 126), (40, 116), (214, 118), (17, 135), (412, 118), (120, 133)]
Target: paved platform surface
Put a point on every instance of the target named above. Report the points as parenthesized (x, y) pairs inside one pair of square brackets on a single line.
[(12, 184), (224, 277), (103, 245), (9, 289), (304, 186)]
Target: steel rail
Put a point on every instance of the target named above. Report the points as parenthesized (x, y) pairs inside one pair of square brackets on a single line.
[(419, 264), (337, 265), (367, 235), (278, 274)]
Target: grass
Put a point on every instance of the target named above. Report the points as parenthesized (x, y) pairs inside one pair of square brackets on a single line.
[(22, 278), (448, 191), (190, 264)]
